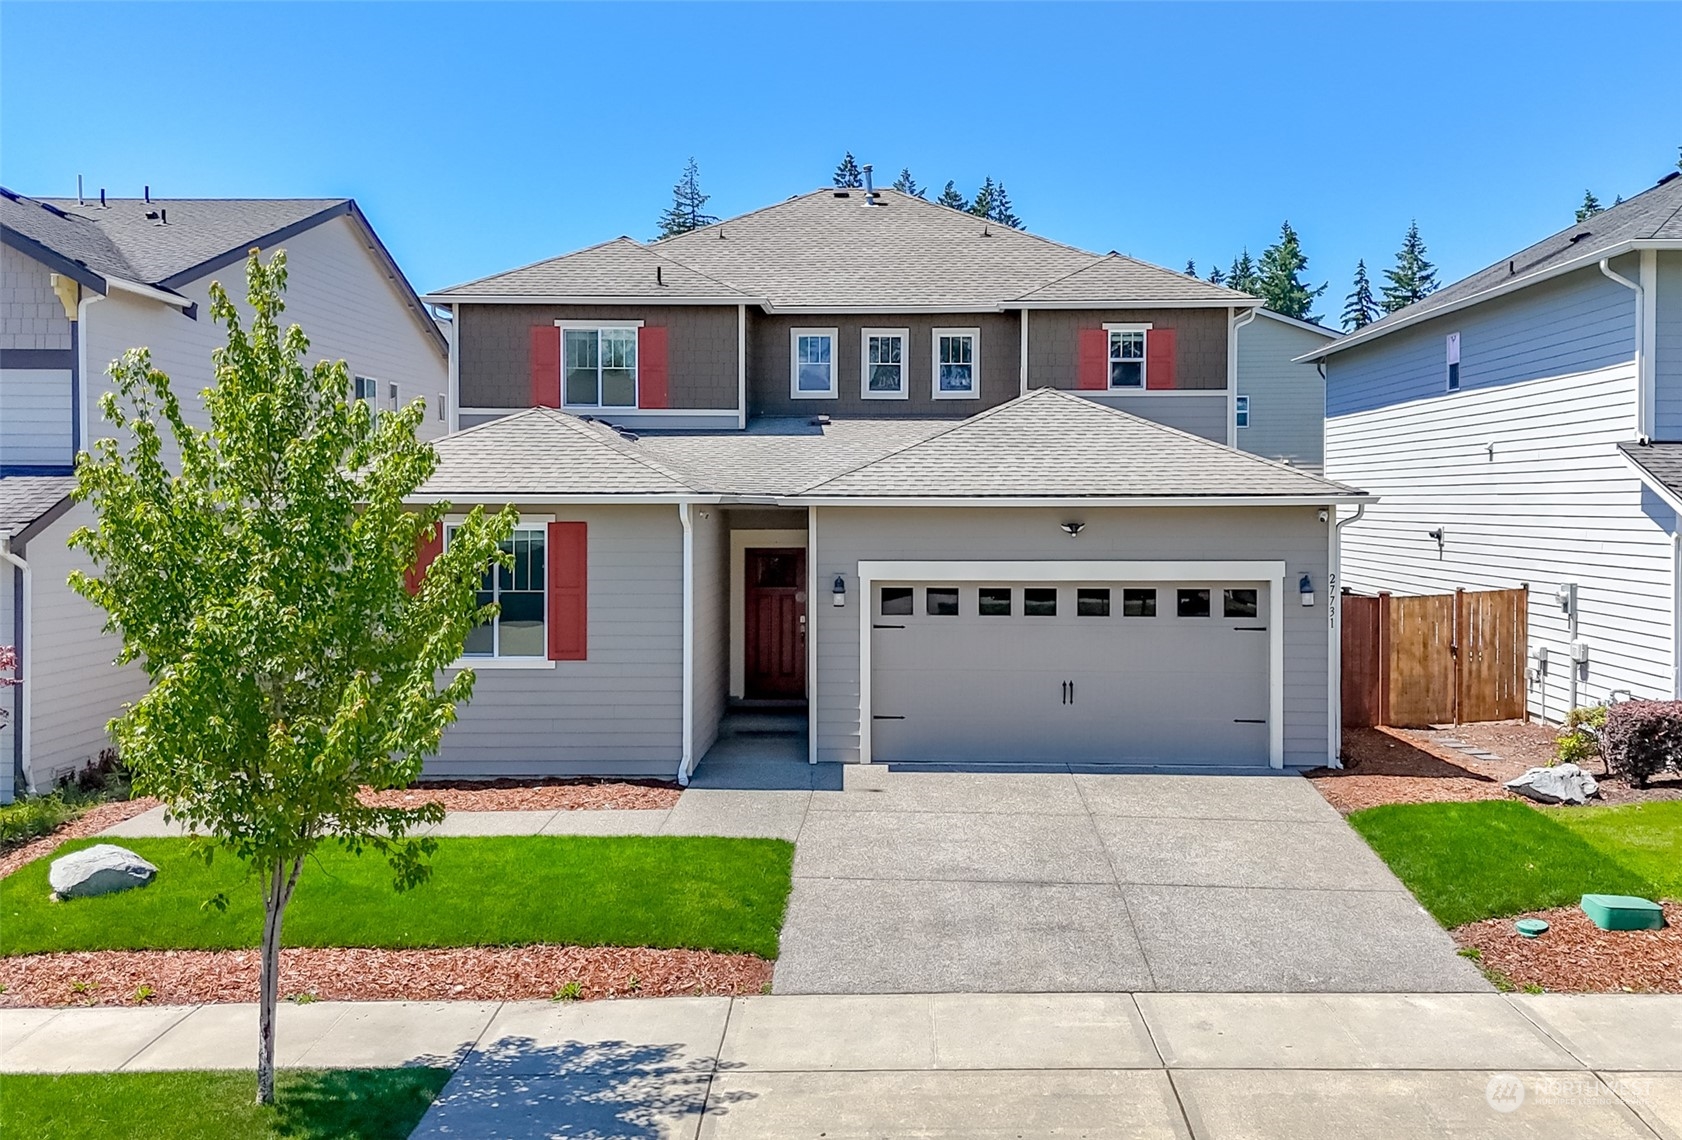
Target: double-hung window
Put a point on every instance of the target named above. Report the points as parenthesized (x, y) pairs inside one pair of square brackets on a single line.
[(1127, 355), (812, 364), (883, 353), (957, 364), (518, 629), (1241, 411), (599, 366), (367, 390)]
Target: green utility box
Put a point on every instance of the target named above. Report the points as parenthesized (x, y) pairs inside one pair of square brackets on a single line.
[(1623, 912)]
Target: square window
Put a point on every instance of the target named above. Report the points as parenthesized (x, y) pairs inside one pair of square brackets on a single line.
[(1192, 603), (812, 369), (941, 601), (1138, 603), (896, 601), (1092, 603), (956, 358), (1127, 357), (994, 601), (1038, 601), (883, 360), (599, 367), (1238, 603)]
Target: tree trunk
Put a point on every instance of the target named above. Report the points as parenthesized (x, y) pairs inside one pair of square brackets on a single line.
[(277, 892)]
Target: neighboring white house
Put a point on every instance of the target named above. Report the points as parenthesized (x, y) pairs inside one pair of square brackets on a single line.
[(80, 284), (1518, 428)]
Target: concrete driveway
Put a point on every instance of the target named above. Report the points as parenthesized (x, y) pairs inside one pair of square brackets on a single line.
[(1000, 882)]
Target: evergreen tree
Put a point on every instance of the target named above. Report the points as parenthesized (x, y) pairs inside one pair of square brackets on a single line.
[(1191, 268), (951, 197), (1359, 309), (906, 184), (1282, 287), (1413, 278), (1618, 201), (847, 175), (687, 209), (1001, 212), (1590, 207), (1216, 276), (983, 204), (1242, 275)]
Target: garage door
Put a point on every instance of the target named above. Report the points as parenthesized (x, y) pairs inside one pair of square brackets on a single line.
[(1101, 672)]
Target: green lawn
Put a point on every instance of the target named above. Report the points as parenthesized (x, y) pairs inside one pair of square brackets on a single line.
[(697, 893), (368, 1104), (1470, 861)]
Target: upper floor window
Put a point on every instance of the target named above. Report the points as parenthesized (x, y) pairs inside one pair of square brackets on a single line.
[(518, 629), (367, 390), (883, 357), (957, 360), (599, 366), (1241, 411), (1127, 355), (1453, 367), (812, 364)]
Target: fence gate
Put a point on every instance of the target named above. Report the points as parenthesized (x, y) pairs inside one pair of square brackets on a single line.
[(1434, 659)]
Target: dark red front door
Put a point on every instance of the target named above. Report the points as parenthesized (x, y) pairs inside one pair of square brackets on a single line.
[(775, 624)]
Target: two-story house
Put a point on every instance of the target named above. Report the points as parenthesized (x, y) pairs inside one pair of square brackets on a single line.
[(1521, 427), (958, 492), (82, 282)]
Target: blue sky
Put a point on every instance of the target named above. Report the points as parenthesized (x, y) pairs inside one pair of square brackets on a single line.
[(479, 137)]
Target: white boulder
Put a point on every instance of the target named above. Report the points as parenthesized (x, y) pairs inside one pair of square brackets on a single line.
[(1561, 784), (101, 869)]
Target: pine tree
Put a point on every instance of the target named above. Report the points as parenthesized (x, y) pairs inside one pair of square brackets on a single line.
[(1590, 207), (1191, 268), (686, 212), (1413, 278), (1242, 275), (847, 175), (982, 205), (1282, 287), (906, 184), (951, 197), (1001, 212), (1216, 276), (1359, 309)]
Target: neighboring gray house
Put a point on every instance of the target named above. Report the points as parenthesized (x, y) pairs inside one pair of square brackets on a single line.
[(80, 284), (957, 492), (1280, 411), (1522, 428)]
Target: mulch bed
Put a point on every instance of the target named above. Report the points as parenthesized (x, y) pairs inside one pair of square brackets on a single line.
[(190, 977), (531, 795), (90, 822), (1576, 956)]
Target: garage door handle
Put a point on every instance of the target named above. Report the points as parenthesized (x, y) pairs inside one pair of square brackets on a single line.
[(884, 716), (887, 627), (1249, 720), (1250, 628)]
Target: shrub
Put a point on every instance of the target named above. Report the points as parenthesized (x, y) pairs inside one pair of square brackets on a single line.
[(1642, 738), (1579, 740)]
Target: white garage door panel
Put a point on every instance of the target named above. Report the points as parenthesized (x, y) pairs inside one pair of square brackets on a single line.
[(1151, 690)]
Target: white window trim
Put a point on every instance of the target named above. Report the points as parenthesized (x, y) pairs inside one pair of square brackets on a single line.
[(1451, 359), (794, 389), (1241, 411), (596, 326), (534, 524), (904, 392), (975, 364), (1144, 361)]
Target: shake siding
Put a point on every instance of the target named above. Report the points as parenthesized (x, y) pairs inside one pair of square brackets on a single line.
[(1287, 401), (31, 316), (1576, 323), (621, 711), (712, 635), (1667, 347), (1555, 504), (1295, 535)]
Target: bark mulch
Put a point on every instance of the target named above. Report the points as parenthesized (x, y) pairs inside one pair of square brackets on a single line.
[(190, 977), (1386, 766), (530, 795), (90, 822), (1576, 956)]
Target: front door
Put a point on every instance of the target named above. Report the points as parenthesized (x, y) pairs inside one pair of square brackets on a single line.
[(775, 624)]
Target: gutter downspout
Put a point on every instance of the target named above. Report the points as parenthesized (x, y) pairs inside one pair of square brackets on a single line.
[(1643, 384), (83, 390), (686, 761), (1234, 324), (22, 608), (1334, 598)]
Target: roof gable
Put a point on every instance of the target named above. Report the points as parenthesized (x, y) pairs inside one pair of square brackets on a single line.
[(542, 451), (1117, 277), (618, 268)]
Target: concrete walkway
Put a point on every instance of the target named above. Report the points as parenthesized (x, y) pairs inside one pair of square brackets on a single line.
[(952, 1065)]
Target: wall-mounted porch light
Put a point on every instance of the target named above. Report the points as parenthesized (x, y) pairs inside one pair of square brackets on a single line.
[(839, 590), (1305, 589)]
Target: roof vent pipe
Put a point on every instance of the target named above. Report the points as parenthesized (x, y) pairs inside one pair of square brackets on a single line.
[(79, 201), (102, 205), (148, 192), (869, 185)]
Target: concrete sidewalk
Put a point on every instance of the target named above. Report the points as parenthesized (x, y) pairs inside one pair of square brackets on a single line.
[(958, 1065)]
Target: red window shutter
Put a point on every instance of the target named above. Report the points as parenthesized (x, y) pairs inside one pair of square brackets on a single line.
[(653, 390), (545, 366), (1094, 362), (1159, 358), (569, 591), (429, 546)]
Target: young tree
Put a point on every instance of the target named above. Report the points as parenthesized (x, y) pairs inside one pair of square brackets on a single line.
[(1242, 275), (848, 176), (263, 591), (688, 208), (1002, 212), (982, 205), (951, 198), (906, 184), (1590, 207), (1216, 276), (1281, 269), (1413, 278), (1359, 309)]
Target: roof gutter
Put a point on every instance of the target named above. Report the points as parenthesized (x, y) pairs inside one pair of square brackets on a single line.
[(1653, 483), (187, 305), (1352, 498)]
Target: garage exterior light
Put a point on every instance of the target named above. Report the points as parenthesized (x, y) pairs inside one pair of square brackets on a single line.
[(1306, 589), (839, 590)]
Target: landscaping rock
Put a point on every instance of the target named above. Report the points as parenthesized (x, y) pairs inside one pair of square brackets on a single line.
[(102, 869), (1561, 784)]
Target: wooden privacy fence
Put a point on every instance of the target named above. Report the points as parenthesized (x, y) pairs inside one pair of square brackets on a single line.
[(1436, 659)]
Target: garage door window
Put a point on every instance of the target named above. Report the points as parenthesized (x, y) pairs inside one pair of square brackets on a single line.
[(896, 601), (1039, 602), (942, 601), (1239, 604), (994, 601), (1138, 603), (1193, 603), (1092, 603)]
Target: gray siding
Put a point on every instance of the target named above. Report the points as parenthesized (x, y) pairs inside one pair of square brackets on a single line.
[(1200, 413), (769, 353), (1575, 323), (1667, 347), (1199, 343), (30, 313), (1287, 401), (496, 350), (847, 535), (712, 629), (620, 711)]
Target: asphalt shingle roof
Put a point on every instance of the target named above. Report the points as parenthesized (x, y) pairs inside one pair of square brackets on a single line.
[(617, 268), (66, 234), (25, 498), (541, 451), (1116, 275), (777, 454), (1662, 462)]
